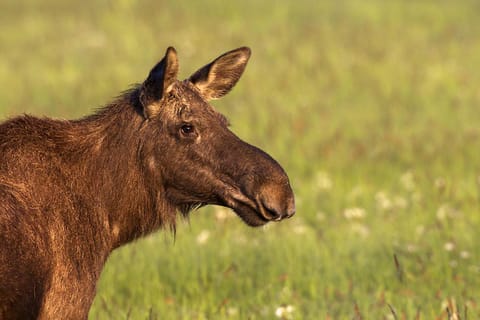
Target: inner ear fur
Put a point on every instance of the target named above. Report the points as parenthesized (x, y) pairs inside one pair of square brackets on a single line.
[(217, 78)]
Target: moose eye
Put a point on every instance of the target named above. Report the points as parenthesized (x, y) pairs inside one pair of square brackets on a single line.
[(187, 129)]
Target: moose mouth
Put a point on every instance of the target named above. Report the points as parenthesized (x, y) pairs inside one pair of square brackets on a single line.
[(250, 216), (252, 211)]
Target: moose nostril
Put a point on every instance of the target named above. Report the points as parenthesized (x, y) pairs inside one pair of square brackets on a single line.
[(276, 215), (278, 210), (276, 201), (270, 211)]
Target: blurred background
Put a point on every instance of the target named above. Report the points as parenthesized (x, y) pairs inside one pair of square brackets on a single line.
[(372, 107)]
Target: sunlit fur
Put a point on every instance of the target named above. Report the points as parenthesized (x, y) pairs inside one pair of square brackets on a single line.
[(73, 191)]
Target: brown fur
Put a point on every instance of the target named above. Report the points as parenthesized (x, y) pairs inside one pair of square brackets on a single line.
[(73, 191)]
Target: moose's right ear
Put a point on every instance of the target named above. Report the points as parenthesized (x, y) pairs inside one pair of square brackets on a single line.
[(158, 83)]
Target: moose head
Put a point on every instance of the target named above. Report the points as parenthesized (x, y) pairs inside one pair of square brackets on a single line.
[(196, 157)]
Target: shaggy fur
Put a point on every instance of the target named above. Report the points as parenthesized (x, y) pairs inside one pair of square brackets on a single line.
[(73, 191)]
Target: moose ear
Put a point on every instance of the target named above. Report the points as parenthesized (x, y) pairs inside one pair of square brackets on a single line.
[(218, 77), (158, 83)]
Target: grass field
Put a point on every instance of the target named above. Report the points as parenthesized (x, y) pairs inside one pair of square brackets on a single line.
[(372, 107)]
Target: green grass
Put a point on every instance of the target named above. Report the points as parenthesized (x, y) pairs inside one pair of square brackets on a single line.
[(371, 107)]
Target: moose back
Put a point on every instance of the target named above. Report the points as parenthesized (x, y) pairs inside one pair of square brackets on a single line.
[(73, 191)]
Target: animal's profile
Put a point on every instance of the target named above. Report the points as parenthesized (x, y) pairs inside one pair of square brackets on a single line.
[(73, 191)]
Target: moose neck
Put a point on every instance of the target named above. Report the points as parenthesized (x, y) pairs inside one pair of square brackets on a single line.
[(129, 200)]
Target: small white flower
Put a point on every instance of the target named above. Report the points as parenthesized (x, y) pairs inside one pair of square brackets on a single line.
[(442, 211), (464, 254), (447, 211), (203, 236), (354, 213), (231, 311), (221, 214), (449, 246), (279, 312), (383, 201), (284, 312)]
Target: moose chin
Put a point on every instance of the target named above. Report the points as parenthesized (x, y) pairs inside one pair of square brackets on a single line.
[(71, 191)]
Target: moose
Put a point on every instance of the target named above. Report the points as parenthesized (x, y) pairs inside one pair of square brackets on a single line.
[(72, 191)]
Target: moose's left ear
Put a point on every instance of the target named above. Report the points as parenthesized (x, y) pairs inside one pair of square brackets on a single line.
[(218, 77), (158, 83)]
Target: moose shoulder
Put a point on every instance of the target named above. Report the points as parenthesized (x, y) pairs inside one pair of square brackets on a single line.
[(73, 191)]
